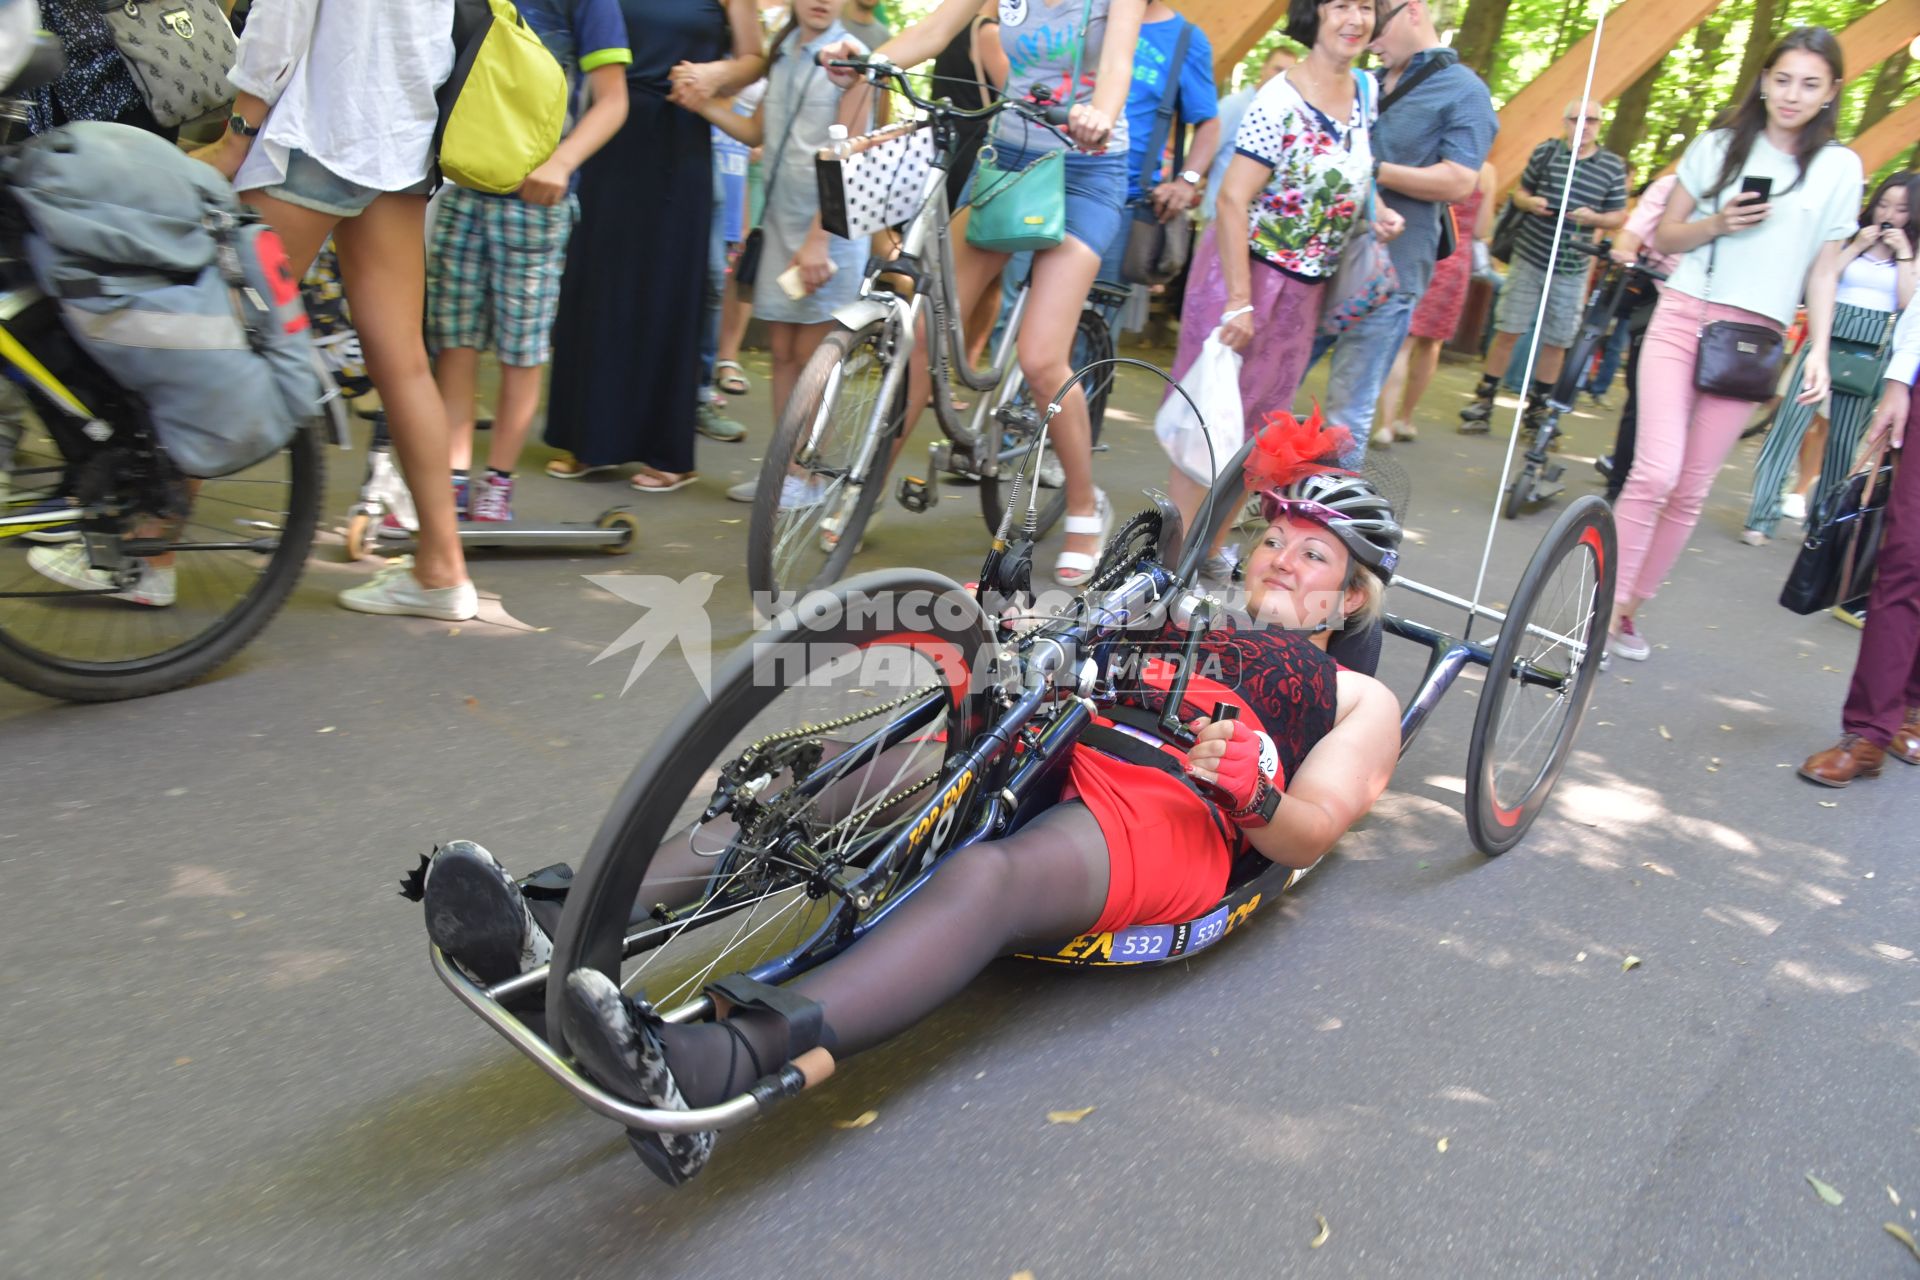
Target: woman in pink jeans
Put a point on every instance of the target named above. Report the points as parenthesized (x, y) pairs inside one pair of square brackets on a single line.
[(1743, 258)]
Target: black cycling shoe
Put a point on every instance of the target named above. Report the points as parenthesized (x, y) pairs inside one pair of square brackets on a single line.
[(613, 1038), (1604, 466), (477, 916)]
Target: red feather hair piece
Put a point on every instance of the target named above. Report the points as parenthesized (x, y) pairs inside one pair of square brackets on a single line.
[(1288, 449)]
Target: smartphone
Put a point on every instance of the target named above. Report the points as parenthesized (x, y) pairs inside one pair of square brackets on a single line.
[(1761, 187)]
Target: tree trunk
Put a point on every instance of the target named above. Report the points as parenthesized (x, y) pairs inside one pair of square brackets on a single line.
[(1887, 84), (1707, 39), (1630, 114), (1759, 41), (1478, 43)]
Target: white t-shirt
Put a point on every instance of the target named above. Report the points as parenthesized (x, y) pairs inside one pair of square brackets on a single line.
[(350, 83), (1764, 268), (1872, 283)]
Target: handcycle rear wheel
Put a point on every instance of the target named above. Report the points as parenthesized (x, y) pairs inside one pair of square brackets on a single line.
[(815, 443), (1092, 342), (82, 648), (743, 903), (1541, 675)]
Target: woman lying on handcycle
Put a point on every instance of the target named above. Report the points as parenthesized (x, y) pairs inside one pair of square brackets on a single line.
[(1142, 832)]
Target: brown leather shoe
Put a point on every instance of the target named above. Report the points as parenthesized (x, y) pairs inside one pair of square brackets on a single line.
[(1837, 766), (1905, 746)]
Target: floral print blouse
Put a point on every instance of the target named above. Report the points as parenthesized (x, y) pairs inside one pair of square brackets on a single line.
[(1299, 222)]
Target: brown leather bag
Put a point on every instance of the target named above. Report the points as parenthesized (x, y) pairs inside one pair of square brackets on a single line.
[(1737, 360)]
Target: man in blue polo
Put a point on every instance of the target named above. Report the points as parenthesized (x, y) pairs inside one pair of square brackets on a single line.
[(1436, 124)]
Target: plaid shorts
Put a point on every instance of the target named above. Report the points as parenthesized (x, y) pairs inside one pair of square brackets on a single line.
[(493, 274)]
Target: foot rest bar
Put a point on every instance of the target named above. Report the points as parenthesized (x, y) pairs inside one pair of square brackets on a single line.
[(809, 1069)]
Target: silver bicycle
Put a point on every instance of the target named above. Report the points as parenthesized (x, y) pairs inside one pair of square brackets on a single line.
[(826, 466)]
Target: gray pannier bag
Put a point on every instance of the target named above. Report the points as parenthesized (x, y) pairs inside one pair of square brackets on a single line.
[(176, 291)]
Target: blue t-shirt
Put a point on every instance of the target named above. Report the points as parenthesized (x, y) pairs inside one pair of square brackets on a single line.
[(582, 35), (1447, 116), (1194, 103)]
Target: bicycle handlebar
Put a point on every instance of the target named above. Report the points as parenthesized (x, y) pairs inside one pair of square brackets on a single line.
[(875, 70)]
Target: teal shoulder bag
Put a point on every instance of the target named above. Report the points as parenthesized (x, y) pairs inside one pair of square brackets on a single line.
[(1014, 210)]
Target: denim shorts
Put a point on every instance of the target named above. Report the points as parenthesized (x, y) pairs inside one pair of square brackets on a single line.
[(312, 185), (1096, 192)]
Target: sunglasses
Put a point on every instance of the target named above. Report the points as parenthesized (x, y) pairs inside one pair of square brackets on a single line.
[(1272, 508), (1380, 23)]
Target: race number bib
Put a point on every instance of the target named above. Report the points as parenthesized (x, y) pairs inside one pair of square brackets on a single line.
[(1269, 755)]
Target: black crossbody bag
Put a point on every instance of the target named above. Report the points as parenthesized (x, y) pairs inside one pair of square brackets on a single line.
[(1737, 360), (1439, 58)]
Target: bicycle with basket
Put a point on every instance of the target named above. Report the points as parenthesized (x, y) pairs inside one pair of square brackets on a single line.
[(840, 426)]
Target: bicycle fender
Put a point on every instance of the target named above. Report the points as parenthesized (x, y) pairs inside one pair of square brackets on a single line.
[(861, 312)]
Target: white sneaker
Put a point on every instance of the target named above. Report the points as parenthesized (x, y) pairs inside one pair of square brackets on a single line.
[(1628, 643), (795, 491), (395, 591), (1753, 537), (1050, 473), (1383, 436), (70, 567), (1794, 506)]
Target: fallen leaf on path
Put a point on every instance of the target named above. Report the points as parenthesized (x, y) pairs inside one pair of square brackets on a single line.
[(1069, 1117), (453, 631), (1893, 1195), (729, 522), (1605, 724), (1631, 962), (1441, 1146), (1826, 1192), (1904, 1236), (1423, 864), (1022, 1275), (1892, 952), (1581, 957), (181, 1062), (1657, 869), (1726, 728), (1325, 1231), (1867, 876), (1829, 804), (1665, 734), (860, 1121), (328, 729), (473, 702)]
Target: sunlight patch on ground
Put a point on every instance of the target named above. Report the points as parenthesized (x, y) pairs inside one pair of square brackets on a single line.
[(1740, 918), (1830, 981)]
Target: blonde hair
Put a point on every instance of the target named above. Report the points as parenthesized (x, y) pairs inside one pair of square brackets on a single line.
[(1373, 592)]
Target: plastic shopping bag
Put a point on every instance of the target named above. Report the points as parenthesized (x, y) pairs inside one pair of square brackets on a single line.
[(1213, 383)]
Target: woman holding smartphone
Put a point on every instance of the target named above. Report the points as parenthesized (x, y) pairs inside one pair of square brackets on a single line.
[(1762, 213), (1876, 283)]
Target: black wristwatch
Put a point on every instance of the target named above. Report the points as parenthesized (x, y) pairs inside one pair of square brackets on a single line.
[(1264, 804), (237, 123)]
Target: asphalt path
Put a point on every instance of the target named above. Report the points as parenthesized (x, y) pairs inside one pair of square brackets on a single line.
[(225, 1054)]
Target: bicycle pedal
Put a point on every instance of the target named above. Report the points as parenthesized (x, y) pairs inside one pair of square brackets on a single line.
[(916, 494)]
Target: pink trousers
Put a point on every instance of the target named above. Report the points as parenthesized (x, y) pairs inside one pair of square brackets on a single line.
[(1684, 438)]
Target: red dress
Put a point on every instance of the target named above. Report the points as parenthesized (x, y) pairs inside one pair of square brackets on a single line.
[(1167, 859), (1437, 314)]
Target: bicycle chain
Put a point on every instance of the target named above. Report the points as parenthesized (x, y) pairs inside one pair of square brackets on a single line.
[(788, 735), (1118, 558)]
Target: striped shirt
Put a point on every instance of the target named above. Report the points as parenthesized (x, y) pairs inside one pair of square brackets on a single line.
[(1599, 184)]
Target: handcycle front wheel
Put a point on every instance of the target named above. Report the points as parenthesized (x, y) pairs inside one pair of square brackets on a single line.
[(244, 541), (879, 669), (1541, 675), (1092, 342), (807, 515)]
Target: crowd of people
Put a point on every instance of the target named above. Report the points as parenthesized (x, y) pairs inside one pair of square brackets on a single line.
[(689, 148)]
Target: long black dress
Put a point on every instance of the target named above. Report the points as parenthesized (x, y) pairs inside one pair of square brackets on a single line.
[(626, 342)]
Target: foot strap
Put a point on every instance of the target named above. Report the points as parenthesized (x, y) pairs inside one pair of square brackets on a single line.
[(804, 1018)]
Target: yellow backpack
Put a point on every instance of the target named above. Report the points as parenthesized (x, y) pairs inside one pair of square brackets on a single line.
[(505, 105)]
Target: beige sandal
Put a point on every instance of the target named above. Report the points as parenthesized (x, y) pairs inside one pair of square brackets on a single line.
[(651, 480)]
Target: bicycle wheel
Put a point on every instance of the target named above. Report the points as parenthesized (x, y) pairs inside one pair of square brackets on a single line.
[(1091, 342), (1519, 493), (751, 876), (1542, 672), (806, 476), (240, 549)]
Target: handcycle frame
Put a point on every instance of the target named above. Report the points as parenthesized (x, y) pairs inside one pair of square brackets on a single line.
[(987, 788)]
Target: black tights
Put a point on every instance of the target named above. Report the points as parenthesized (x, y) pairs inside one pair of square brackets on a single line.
[(1046, 881)]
